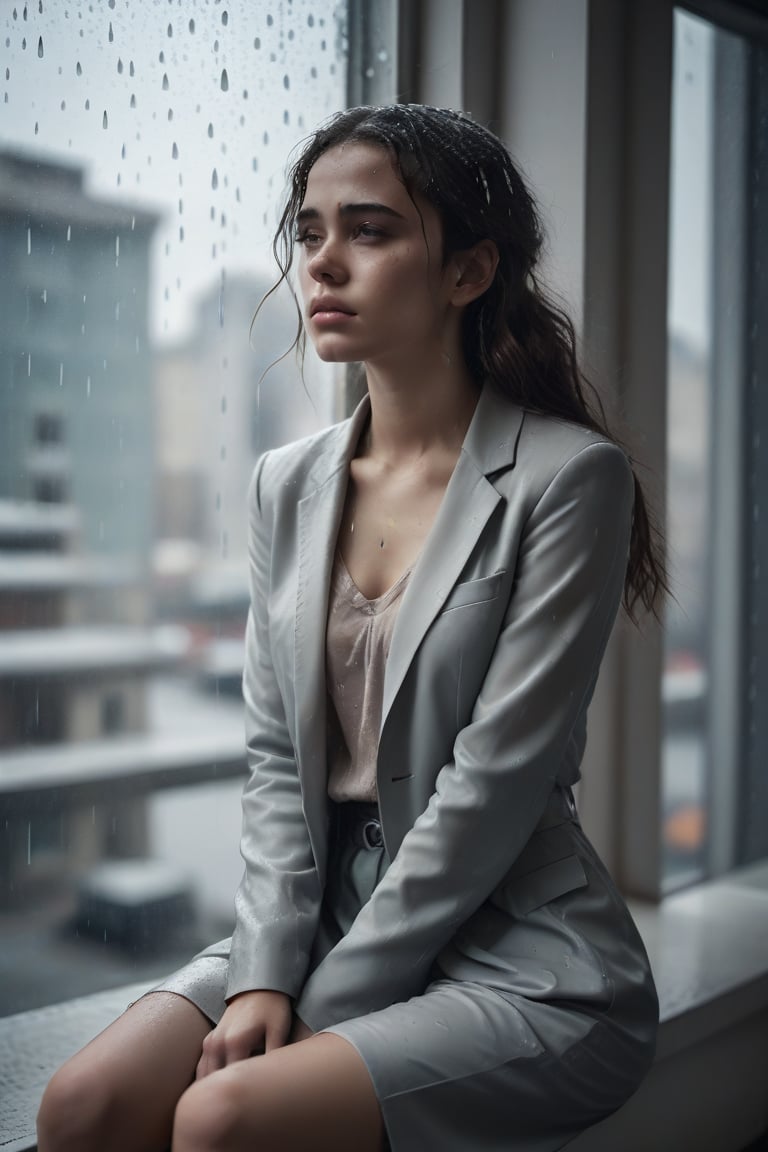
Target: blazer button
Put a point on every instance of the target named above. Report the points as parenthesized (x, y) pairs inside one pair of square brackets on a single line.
[(372, 837)]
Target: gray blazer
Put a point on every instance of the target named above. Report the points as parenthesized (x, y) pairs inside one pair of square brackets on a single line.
[(492, 665)]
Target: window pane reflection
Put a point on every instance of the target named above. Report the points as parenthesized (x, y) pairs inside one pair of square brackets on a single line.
[(142, 153), (711, 643)]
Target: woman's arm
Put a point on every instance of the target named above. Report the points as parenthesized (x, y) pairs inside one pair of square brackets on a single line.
[(489, 798)]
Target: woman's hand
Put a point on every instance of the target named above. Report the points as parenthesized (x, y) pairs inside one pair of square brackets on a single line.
[(253, 1023)]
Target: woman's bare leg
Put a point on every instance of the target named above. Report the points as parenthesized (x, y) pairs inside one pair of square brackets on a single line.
[(316, 1094), (120, 1092)]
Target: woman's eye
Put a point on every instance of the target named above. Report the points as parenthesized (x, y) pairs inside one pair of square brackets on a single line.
[(306, 237), (369, 232)]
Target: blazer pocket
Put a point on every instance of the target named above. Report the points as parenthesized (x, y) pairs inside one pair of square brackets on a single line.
[(474, 592), (524, 894)]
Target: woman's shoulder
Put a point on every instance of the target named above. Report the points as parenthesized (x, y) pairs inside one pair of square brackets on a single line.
[(300, 466), (559, 455)]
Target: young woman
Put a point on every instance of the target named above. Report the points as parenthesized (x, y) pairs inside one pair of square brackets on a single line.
[(427, 950)]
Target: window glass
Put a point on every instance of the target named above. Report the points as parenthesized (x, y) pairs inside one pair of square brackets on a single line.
[(142, 155), (713, 751)]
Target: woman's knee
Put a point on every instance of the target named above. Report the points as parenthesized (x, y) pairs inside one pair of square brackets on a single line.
[(209, 1116), (74, 1112)]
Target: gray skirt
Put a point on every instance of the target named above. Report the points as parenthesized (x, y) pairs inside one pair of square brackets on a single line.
[(462, 1065)]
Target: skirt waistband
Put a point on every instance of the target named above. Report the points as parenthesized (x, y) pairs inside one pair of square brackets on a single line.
[(360, 821)]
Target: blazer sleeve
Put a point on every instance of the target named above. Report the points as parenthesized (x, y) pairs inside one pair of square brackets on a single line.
[(488, 799), (277, 903)]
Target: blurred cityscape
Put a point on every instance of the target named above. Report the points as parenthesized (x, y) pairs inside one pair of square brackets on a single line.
[(123, 595)]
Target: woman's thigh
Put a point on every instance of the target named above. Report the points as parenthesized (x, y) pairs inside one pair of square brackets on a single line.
[(313, 1094), (120, 1091)]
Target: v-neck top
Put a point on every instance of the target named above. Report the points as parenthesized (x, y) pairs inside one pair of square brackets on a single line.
[(358, 636)]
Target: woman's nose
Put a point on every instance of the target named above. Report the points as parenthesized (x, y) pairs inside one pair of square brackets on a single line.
[(326, 262)]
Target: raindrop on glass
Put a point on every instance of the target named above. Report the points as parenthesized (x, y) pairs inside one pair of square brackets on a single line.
[(170, 113), (170, 31), (270, 21), (111, 33), (225, 18), (214, 179), (133, 101), (257, 42), (40, 48), (166, 85), (104, 120), (311, 21), (131, 69), (286, 82), (79, 69), (120, 67), (175, 151), (210, 131), (192, 27), (224, 80)]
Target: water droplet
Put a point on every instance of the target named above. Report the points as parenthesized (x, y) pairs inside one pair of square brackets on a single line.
[(131, 69), (170, 31), (79, 69), (69, 233), (382, 56), (119, 67), (117, 251), (170, 113), (286, 82), (224, 80), (257, 42), (192, 27), (29, 241), (210, 131), (37, 127), (214, 179), (225, 18), (40, 48), (111, 33), (166, 85), (311, 21), (87, 105), (175, 151), (133, 100)]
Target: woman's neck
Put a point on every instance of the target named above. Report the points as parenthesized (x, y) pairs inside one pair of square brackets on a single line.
[(416, 414)]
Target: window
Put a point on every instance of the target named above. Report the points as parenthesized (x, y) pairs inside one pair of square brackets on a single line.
[(715, 794), (142, 158)]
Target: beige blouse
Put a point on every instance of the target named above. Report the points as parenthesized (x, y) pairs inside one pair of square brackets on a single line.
[(357, 645)]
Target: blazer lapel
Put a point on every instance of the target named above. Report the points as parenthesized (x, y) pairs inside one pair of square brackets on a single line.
[(470, 499), (320, 514)]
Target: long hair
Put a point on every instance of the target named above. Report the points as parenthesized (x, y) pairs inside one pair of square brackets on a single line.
[(514, 336)]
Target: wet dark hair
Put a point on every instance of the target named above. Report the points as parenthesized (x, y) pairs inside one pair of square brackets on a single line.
[(514, 336)]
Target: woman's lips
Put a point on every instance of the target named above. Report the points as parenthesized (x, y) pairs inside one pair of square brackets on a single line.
[(331, 316)]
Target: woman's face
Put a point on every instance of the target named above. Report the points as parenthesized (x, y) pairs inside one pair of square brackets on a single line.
[(371, 273)]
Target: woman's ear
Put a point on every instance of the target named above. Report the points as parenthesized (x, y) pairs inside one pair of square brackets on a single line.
[(474, 269)]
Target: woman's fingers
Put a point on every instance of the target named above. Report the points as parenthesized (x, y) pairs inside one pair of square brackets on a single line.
[(254, 1022)]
